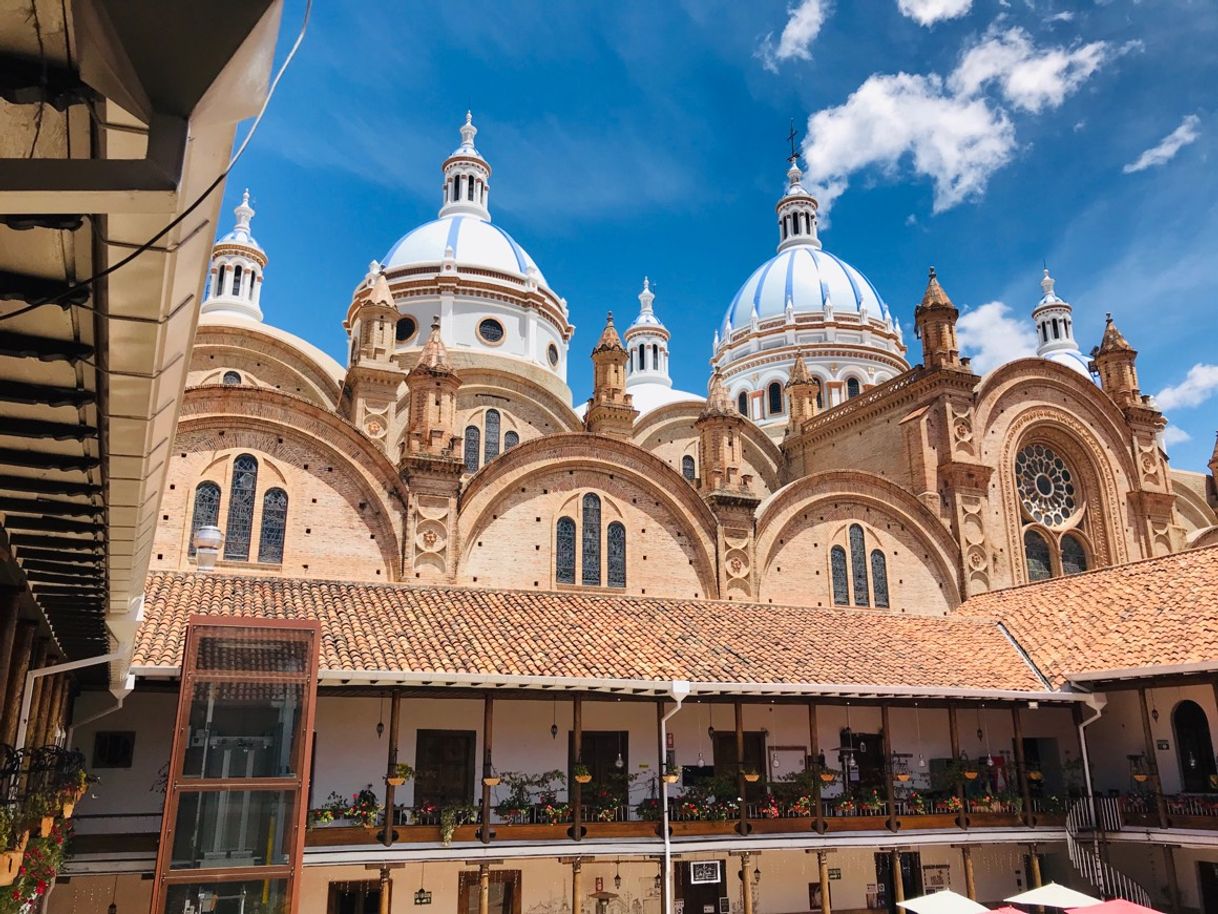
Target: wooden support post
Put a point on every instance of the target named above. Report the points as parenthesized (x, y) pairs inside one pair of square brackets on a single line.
[(577, 753), (822, 861), (898, 882), (818, 804), (484, 888), (577, 885), (8, 630), (970, 883), (1152, 763), (488, 734), (1034, 866), (746, 883), (953, 725), (23, 648), (890, 796), (38, 687), (741, 785), (391, 764), (1173, 879), (52, 698), (1021, 767), (386, 888)]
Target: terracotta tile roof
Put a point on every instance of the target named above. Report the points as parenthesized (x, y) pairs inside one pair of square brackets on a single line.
[(1161, 611), (581, 635)]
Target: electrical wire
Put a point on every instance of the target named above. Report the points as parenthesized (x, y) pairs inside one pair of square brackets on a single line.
[(84, 283)]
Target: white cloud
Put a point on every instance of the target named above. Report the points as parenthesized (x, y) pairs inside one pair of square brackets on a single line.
[(956, 131), (1167, 148), (1028, 77), (993, 336), (1198, 385), (1173, 434), (804, 22), (928, 12), (1063, 16)]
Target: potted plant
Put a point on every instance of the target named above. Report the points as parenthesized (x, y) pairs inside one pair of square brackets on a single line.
[(400, 775), (671, 774), (13, 840), (450, 818), (365, 808), (581, 774), (752, 775), (42, 807)]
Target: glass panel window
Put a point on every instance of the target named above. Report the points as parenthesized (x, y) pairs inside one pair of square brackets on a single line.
[(207, 510), (243, 730), (241, 509), (1045, 485), (274, 523), (879, 577), (591, 545), (742, 403), (491, 450), (615, 544), (687, 467), (1074, 556), (858, 566), (837, 566), (852, 387), (227, 897), (1036, 551), (473, 441), (231, 379), (564, 551), (774, 392), (510, 440), (228, 829)]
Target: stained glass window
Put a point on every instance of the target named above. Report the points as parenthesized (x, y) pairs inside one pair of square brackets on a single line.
[(491, 448), (1074, 556), (491, 330), (774, 392), (274, 522), (879, 577), (742, 403), (1036, 550), (852, 387), (564, 551), (591, 546), (510, 440), (615, 544), (837, 565), (231, 379), (207, 510), (1045, 485), (241, 509), (687, 467), (858, 566), (473, 441)]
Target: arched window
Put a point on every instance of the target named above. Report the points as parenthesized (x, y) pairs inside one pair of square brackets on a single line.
[(642, 357), (837, 566), (1193, 747), (473, 443), (241, 509), (510, 440), (591, 546), (231, 379), (564, 551), (218, 288), (249, 292), (207, 510), (687, 467), (470, 193), (820, 399), (237, 280), (1056, 330), (274, 523), (615, 545), (774, 393), (1036, 551), (1074, 556), (742, 403), (491, 448), (879, 577), (655, 357), (858, 566), (852, 387)]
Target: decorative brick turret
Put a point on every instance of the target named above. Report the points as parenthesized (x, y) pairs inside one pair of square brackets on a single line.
[(371, 386), (1114, 359), (720, 445), (431, 429), (802, 390), (935, 320), (610, 410)]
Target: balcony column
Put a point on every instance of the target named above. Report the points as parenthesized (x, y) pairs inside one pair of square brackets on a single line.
[(42, 652), (1152, 763), (1034, 866), (1173, 880), (1021, 767), (898, 880), (52, 701), (822, 862), (890, 797), (954, 728), (818, 805), (746, 883), (488, 733), (743, 825), (484, 888), (386, 888), (577, 886), (577, 753), (395, 717), (8, 631), (23, 647), (970, 883)]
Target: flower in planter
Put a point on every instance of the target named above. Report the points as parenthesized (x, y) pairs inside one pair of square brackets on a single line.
[(580, 773), (649, 810), (401, 774), (801, 806), (769, 809)]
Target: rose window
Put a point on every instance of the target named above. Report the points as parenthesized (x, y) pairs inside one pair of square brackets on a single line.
[(1045, 485)]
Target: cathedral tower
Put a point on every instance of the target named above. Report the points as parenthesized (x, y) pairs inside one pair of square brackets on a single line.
[(802, 393), (234, 280), (610, 411), (372, 376), (1055, 329), (935, 320), (1114, 359)]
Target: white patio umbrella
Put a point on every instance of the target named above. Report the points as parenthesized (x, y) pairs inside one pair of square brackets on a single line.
[(943, 902), (1052, 895)]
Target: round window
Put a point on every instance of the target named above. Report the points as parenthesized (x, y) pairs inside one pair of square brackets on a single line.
[(231, 378), (491, 331), (405, 329), (552, 355), (1045, 485)]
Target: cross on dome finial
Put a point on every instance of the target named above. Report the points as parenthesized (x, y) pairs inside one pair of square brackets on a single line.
[(646, 297), (1047, 283), (468, 131), (243, 211)]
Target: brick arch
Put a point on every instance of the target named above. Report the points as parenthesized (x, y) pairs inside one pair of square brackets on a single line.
[(784, 513), (269, 357), (607, 463)]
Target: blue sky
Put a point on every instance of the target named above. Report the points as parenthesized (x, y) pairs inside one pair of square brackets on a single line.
[(634, 138)]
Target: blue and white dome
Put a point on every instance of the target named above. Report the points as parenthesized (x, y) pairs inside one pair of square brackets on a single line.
[(474, 242), (1055, 330), (810, 279)]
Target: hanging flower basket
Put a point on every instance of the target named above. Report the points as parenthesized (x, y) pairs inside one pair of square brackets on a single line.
[(400, 775), (69, 808), (828, 777), (671, 774), (491, 780), (45, 826), (581, 774), (903, 776), (971, 773), (1141, 777), (752, 777), (1035, 775)]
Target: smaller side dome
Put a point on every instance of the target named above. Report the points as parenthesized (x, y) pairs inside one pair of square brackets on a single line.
[(234, 275), (647, 372), (1055, 329)]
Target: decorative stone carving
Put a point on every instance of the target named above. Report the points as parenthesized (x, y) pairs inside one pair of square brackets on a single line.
[(430, 518)]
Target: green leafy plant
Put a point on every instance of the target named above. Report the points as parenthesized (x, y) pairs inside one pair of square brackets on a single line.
[(580, 772), (450, 818), (41, 863), (401, 774)]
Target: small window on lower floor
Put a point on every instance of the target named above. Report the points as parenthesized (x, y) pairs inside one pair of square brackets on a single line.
[(113, 748)]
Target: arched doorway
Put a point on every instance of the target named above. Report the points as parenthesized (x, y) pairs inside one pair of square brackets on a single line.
[(1193, 747)]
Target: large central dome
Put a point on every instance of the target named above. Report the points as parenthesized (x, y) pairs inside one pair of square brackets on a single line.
[(474, 242)]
